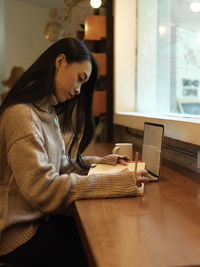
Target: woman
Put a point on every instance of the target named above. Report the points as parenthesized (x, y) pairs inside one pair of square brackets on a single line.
[(38, 183)]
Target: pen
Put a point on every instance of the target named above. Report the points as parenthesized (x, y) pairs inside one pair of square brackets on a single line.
[(136, 163), (136, 160)]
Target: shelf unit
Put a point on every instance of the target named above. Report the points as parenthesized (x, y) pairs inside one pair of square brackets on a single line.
[(95, 36), (99, 39)]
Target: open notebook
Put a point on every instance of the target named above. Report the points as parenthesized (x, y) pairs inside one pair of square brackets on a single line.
[(105, 168)]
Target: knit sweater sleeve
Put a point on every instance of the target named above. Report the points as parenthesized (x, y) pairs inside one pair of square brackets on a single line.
[(42, 186), (111, 159), (66, 167), (44, 189)]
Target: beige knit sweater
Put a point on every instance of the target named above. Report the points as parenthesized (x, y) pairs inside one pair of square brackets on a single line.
[(36, 178)]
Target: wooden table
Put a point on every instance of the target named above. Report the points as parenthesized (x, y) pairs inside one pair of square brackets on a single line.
[(160, 229)]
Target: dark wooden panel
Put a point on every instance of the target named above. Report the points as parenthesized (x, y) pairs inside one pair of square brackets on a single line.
[(109, 18)]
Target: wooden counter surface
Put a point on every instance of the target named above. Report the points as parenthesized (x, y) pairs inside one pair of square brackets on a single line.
[(160, 229)]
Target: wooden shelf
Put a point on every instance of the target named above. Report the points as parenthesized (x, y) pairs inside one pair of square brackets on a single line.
[(99, 103), (101, 59), (95, 38), (95, 27)]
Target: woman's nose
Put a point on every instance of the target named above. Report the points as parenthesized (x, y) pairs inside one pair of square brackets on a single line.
[(77, 90)]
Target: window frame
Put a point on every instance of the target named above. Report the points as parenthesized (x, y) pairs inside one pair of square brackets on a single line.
[(186, 129)]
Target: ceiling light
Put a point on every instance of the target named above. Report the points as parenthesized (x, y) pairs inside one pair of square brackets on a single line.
[(95, 3)]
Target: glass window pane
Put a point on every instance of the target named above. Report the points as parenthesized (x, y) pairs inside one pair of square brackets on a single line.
[(168, 58)]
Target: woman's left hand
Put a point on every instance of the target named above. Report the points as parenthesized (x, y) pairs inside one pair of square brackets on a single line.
[(123, 161)]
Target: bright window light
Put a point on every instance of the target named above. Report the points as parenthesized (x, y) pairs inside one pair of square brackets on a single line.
[(162, 29), (195, 7)]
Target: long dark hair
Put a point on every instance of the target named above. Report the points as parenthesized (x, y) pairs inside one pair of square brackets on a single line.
[(37, 84)]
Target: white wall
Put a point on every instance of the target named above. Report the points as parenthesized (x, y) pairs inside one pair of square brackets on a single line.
[(136, 28), (78, 14), (124, 54), (2, 43), (24, 28)]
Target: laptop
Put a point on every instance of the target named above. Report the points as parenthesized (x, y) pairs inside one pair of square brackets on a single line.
[(152, 149)]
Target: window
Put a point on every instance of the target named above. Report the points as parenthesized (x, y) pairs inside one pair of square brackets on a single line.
[(144, 65), (168, 57)]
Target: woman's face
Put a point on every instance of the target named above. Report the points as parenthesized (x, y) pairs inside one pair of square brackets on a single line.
[(70, 77)]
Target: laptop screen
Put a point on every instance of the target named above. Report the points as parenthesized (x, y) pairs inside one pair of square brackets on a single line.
[(152, 146)]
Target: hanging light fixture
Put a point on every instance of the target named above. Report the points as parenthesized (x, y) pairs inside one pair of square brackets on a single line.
[(95, 3), (195, 6)]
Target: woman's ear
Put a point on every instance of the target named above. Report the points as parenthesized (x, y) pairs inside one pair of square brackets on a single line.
[(59, 60)]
